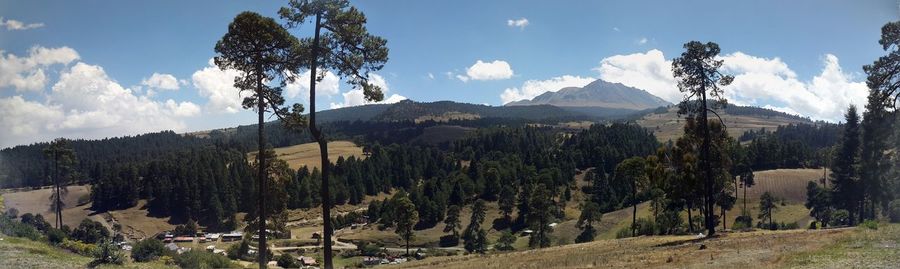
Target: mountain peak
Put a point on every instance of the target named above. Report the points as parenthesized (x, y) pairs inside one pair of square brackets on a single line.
[(599, 93)]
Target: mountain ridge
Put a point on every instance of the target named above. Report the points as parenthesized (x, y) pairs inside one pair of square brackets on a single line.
[(599, 93)]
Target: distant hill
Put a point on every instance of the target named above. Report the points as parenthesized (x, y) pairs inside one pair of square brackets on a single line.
[(410, 111), (667, 125), (598, 94)]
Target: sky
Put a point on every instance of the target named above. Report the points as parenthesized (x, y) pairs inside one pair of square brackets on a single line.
[(94, 69)]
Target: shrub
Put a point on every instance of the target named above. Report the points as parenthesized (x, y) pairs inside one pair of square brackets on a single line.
[(189, 228), (286, 261), (148, 249), (202, 259), (506, 241), (56, 236), (742, 223), (12, 213), (870, 224), (17, 229), (90, 231), (894, 211), (813, 225), (78, 247), (789, 226), (840, 217), (238, 251), (644, 227), (107, 253)]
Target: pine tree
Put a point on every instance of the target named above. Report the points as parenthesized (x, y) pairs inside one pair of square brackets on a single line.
[(341, 43), (261, 49), (697, 71), (845, 168)]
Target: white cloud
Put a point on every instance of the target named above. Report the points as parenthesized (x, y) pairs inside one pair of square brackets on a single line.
[(217, 85), (642, 41), (521, 23), (495, 70), (356, 97), (759, 81), (616, 29), (161, 81), (14, 25), (430, 75), (330, 85), (533, 88), (647, 71), (86, 103), (28, 73)]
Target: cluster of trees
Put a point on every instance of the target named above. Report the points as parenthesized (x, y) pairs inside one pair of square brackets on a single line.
[(791, 146), (865, 178), (207, 185)]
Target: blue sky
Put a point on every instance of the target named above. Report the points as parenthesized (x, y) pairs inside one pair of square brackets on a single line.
[(96, 59)]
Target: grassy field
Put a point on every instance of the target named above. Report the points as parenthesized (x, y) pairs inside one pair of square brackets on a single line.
[(836, 248), (668, 126), (23, 253), (308, 154)]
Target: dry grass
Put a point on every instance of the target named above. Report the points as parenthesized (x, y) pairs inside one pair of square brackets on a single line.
[(668, 126), (761, 249), (308, 154), (135, 220)]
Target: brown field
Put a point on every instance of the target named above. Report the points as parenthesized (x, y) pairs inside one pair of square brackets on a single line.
[(135, 221), (760, 249), (668, 126), (308, 154)]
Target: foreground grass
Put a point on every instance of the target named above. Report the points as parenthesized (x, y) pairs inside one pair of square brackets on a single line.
[(862, 248), (759, 249), (18, 252)]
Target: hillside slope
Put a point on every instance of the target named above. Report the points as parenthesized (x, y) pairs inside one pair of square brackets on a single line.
[(667, 125)]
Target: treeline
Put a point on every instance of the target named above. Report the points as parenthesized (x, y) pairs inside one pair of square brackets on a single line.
[(791, 146), (208, 185), (27, 166)]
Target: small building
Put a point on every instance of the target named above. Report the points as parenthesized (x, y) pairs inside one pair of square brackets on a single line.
[(233, 236), (184, 239), (307, 261)]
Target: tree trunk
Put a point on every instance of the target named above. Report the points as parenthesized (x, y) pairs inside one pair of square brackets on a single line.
[(690, 220), (745, 200), (261, 159), (634, 211), (56, 182), (707, 167), (323, 148)]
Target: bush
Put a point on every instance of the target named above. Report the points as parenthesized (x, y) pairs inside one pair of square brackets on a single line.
[(644, 227), (17, 229), (107, 253), (742, 223), (894, 211), (286, 261), (78, 247), (238, 251), (789, 226), (506, 241), (870, 224), (12, 213), (189, 228), (56, 236), (203, 259), (90, 231), (813, 225), (840, 217), (148, 249)]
